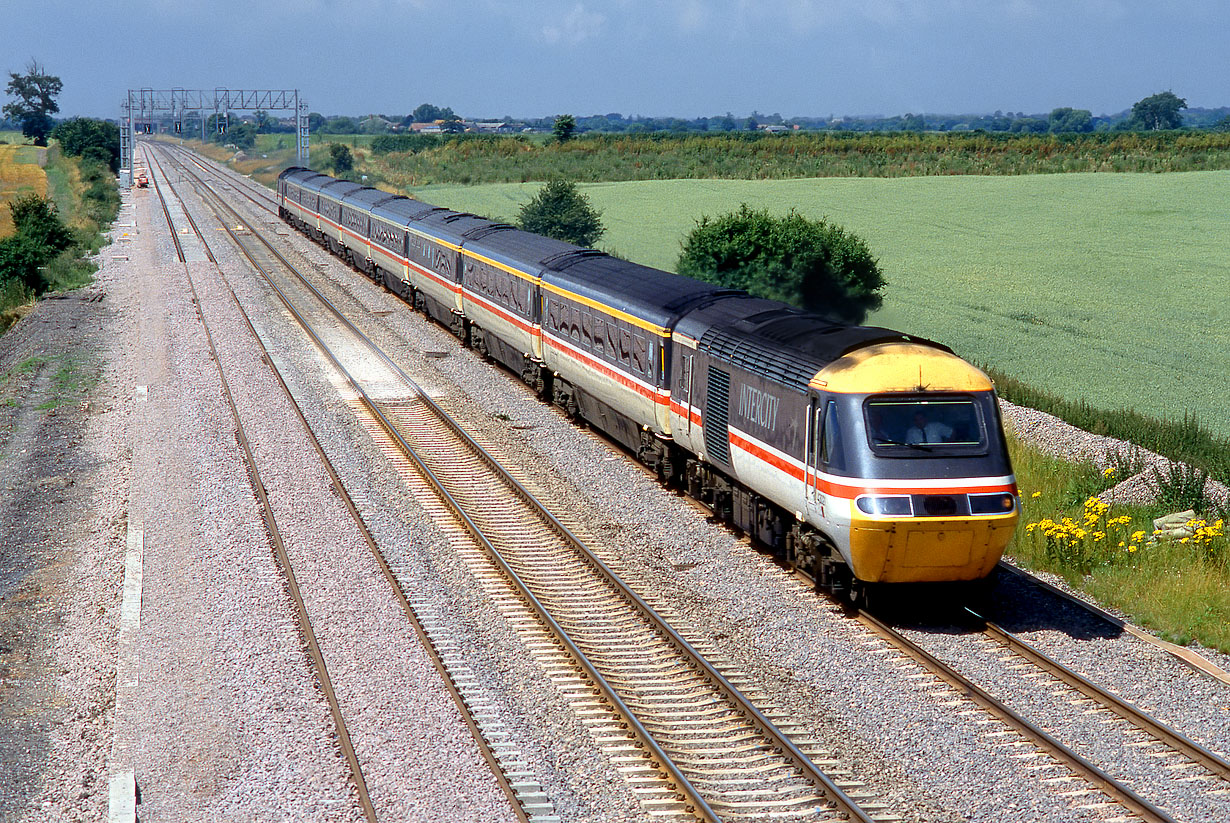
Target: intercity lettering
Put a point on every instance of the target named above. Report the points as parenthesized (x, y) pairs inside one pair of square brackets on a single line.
[(758, 407)]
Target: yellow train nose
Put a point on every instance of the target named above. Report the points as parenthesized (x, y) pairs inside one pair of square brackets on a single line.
[(921, 550)]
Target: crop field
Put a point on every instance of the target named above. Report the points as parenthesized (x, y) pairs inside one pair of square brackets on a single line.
[(1107, 287), (19, 174)]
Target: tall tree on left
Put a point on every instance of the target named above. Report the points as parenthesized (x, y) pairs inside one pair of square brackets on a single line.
[(35, 93)]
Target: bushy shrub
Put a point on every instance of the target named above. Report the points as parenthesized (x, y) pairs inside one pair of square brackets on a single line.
[(88, 138), (36, 218), (20, 260), (340, 158), (812, 264), (558, 210), (40, 236)]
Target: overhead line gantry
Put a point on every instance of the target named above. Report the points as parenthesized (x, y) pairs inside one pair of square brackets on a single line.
[(142, 107)]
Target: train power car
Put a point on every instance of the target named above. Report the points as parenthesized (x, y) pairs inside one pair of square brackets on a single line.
[(859, 454)]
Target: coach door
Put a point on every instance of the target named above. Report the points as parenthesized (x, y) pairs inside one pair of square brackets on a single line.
[(686, 378), (815, 423)]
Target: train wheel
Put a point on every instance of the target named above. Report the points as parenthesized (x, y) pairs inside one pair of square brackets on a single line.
[(478, 341)]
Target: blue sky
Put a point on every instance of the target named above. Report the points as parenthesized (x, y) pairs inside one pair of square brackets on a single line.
[(683, 57)]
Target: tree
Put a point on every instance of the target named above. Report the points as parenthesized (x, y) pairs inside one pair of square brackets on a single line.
[(239, 133), (36, 93), (1065, 120), (560, 211), (913, 122), (340, 158), (40, 236), (565, 125), (812, 264), (36, 217), (20, 260), (89, 138), (341, 125), (1158, 111), (427, 113), (1029, 125)]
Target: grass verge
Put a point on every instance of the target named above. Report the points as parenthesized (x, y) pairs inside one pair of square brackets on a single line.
[(71, 380), (87, 201), (1178, 588), (1185, 440)]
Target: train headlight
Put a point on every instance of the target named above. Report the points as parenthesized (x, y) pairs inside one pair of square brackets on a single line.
[(896, 505), (999, 503)]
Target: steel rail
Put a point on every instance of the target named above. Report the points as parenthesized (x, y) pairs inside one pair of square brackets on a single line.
[(1091, 773), (1184, 655), (283, 558), (166, 212), (1191, 749), (765, 726), (179, 248), (192, 158)]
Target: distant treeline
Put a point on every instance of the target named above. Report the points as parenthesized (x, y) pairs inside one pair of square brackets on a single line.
[(416, 160), (1058, 120)]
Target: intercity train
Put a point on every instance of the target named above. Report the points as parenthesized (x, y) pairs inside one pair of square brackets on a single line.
[(857, 454)]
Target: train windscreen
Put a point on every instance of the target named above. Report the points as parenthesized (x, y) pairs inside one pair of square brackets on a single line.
[(907, 426)]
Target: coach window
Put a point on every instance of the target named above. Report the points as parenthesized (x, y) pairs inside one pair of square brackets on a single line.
[(587, 329), (640, 354), (599, 335)]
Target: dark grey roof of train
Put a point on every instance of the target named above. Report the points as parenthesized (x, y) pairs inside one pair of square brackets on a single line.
[(403, 210), (337, 189), (780, 342), (454, 226), (653, 295), (297, 173), (521, 250), (316, 182), (365, 198)]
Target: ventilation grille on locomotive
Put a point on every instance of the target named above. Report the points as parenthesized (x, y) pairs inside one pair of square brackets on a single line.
[(717, 416)]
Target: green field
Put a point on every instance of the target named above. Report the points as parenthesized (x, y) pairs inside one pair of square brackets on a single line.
[(1114, 288)]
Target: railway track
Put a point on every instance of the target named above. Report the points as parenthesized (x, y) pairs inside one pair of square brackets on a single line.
[(1064, 763), (254, 475), (689, 742)]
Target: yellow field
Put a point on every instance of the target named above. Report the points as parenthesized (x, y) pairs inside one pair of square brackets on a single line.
[(19, 174)]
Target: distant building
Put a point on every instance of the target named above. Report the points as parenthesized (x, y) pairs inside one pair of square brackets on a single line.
[(495, 127)]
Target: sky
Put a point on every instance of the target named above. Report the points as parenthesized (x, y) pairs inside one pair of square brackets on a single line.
[(684, 58)]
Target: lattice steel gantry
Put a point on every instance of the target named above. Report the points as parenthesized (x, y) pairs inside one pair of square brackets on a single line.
[(143, 106)]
